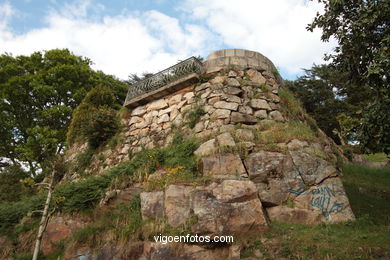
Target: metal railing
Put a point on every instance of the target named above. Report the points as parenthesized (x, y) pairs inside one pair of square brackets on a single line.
[(162, 78)]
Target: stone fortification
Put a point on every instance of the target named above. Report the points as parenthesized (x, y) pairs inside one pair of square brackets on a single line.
[(265, 161)]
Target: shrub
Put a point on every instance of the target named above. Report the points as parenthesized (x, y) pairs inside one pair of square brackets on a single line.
[(99, 102), (82, 195), (101, 124), (100, 96), (11, 188)]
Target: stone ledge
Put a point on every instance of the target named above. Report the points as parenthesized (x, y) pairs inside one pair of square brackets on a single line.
[(163, 91)]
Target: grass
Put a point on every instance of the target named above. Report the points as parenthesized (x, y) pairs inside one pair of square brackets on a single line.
[(284, 132), (156, 227), (83, 160), (292, 106), (173, 176), (119, 224), (376, 157), (368, 191), (193, 116)]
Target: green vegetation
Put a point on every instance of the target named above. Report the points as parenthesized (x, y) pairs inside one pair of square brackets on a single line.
[(101, 125), (179, 153), (292, 106), (376, 157), (95, 120), (11, 186), (37, 97), (193, 116), (83, 195), (83, 159), (315, 91), (369, 192), (284, 132), (122, 223), (357, 72), (155, 227)]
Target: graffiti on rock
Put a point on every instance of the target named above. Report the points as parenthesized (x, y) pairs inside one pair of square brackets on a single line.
[(325, 199)]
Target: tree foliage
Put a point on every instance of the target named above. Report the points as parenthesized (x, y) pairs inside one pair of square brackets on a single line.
[(315, 89), (362, 31), (11, 186), (95, 119), (38, 94)]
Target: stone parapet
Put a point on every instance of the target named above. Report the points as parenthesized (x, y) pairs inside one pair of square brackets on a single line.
[(239, 58)]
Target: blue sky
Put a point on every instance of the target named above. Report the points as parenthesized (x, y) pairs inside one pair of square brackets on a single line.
[(125, 37)]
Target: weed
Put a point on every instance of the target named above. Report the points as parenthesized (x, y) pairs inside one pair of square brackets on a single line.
[(292, 106), (83, 160), (284, 132), (129, 219), (87, 234), (318, 153), (170, 175), (155, 227), (265, 88), (193, 116), (272, 148), (289, 203), (124, 112), (240, 149), (101, 158), (115, 140)]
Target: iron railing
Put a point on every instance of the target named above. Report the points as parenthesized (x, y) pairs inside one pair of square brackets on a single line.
[(162, 78)]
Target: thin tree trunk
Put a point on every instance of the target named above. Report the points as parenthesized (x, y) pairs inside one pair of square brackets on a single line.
[(44, 219)]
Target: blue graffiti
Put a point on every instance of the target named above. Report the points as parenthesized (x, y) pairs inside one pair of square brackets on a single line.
[(330, 191), (297, 191), (323, 197)]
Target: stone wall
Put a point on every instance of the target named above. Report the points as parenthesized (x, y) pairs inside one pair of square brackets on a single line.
[(295, 177)]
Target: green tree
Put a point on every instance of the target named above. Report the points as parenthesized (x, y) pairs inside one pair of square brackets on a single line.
[(362, 31), (38, 94), (11, 187), (317, 90)]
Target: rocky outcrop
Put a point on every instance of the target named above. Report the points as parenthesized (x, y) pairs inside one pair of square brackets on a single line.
[(228, 207), (58, 229)]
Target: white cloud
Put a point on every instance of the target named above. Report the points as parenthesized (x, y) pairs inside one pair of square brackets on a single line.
[(136, 42), (119, 45), (274, 28), (6, 12)]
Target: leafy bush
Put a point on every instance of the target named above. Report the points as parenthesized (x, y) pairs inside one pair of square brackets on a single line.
[(82, 195), (11, 189), (100, 96), (101, 124), (12, 213), (94, 116)]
